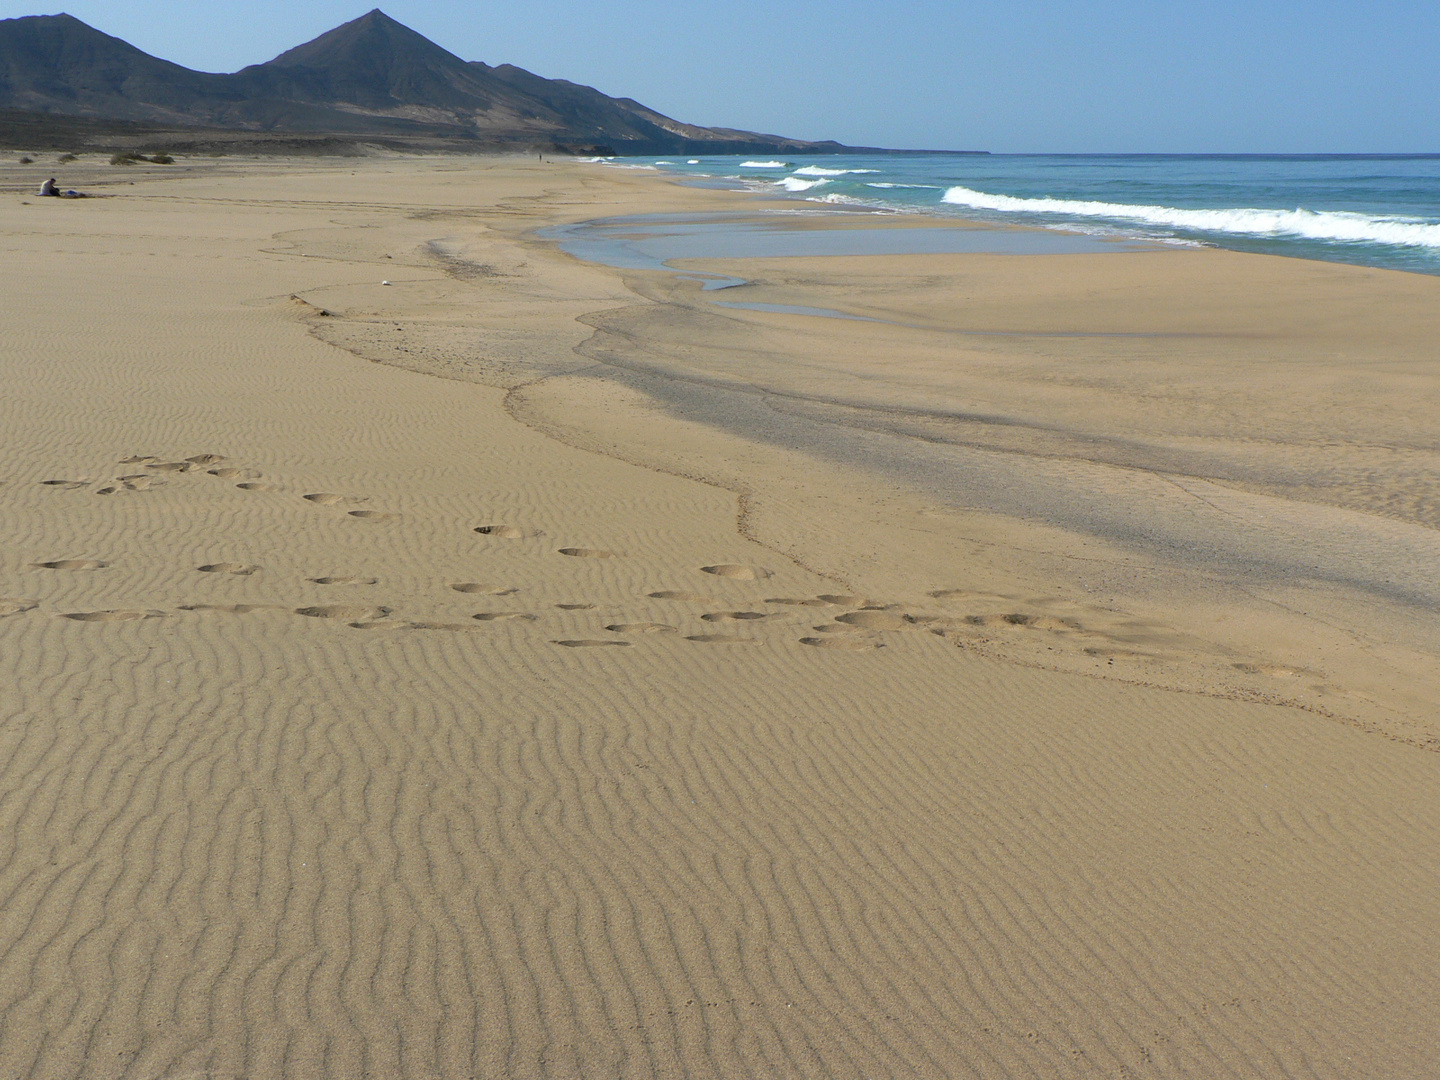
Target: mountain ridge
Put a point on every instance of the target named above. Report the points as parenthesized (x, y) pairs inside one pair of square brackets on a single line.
[(369, 76)]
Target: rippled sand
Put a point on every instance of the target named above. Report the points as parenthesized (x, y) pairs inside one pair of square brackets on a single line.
[(605, 683)]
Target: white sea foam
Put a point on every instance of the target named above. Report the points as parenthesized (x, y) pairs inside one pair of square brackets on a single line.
[(794, 183), (879, 184), (764, 164), (1306, 224), (816, 170), (835, 198), (693, 161), (664, 163)]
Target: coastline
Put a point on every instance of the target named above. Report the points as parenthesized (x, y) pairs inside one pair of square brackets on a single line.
[(979, 838), (1291, 566)]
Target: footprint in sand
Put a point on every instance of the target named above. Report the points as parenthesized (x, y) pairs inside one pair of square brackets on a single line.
[(503, 616), (137, 482), (325, 498), (680, 594), (71, 564), (798, 601), (845, 600), (587, 553), (227, 473), (843, 644), (242, 569), (1021, 618), (640, 628), (15, 607), (837, 628), (505, 532), (255, 485), (139, 459), (586, 643), (721, 639), (450, 626), (171, 466), (346, 612), (111, 616), (231, 609), (345, 579), (68, 485), (576, 607), (736, 572), (206, 459), (483, 587), (875, 620), (733, 616), (1274, 671), (374, 516)]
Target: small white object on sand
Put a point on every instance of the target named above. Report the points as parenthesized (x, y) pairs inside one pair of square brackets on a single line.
[(384, 283)]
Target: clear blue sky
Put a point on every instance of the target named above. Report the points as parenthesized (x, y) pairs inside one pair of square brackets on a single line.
[(1001, 75)]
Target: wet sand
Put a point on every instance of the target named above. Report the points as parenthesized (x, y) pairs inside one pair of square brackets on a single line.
[(532, 668)]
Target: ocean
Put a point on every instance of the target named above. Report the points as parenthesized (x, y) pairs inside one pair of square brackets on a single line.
[(1374, 210)]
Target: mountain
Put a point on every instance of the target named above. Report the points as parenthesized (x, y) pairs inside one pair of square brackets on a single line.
[(371, 76)]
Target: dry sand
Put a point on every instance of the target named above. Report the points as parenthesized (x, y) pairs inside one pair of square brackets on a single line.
[(676, 691)]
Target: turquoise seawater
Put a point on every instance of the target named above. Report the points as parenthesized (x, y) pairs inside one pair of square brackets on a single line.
[(1373, 210)]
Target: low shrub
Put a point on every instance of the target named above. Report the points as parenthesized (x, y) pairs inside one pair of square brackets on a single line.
[(129, 157)]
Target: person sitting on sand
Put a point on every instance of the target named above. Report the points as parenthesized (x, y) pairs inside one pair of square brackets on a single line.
[(49, 188)]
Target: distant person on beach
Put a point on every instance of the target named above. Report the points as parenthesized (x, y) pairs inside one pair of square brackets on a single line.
[(49, 188)]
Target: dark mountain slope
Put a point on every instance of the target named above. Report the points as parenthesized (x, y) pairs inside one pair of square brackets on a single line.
[(377, 63), (371, 75), (56, 63)]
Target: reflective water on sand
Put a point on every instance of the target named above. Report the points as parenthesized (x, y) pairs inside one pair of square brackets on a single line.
[(651, 241)]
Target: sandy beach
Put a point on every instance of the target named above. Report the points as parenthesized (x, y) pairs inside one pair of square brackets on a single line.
[(426, 654)]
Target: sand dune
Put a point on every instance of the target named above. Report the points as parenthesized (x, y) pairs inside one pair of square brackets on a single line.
[(352, 726)]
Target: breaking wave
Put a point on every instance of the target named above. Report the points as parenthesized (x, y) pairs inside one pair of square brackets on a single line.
[(816, 170), (764, 164), (1305, 224), (794, 183)]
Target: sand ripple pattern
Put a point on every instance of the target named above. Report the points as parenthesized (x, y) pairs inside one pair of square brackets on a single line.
[(240, 838)]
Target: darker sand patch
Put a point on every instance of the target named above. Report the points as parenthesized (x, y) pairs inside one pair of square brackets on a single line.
[(351, 612), (843, 644), (111, 616)]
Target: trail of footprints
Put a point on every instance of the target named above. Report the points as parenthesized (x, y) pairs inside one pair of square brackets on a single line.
[(854, 630), (858, 624)]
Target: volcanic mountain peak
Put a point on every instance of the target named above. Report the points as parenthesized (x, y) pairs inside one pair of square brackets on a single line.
[(372, 75), (372, 40)]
